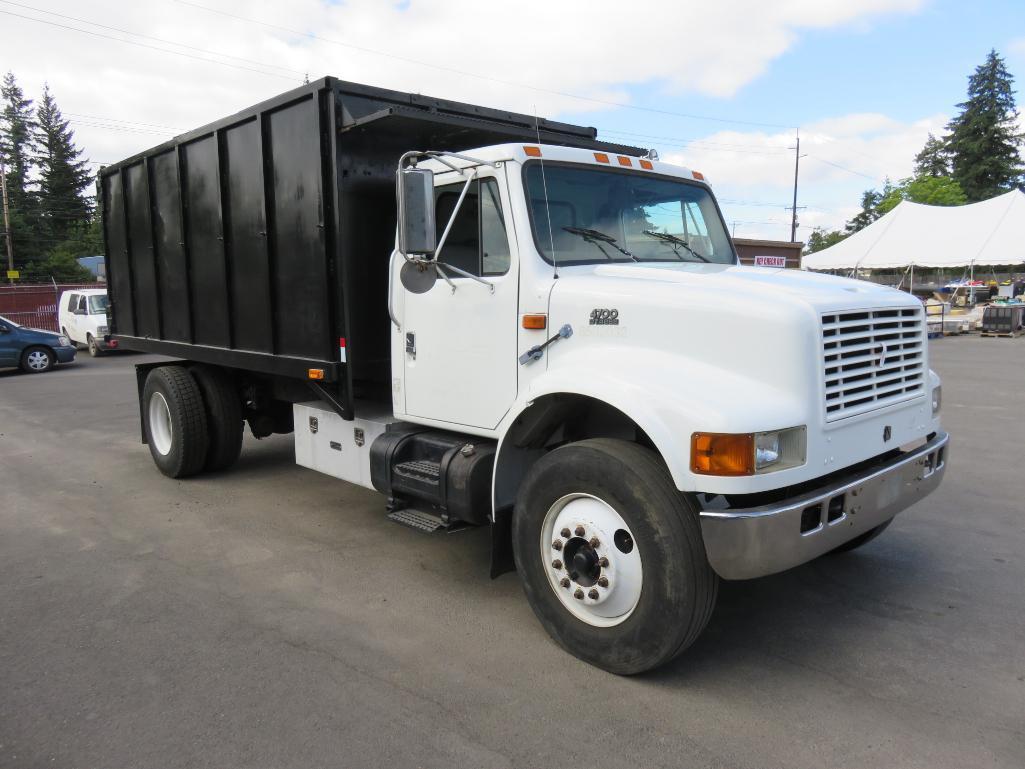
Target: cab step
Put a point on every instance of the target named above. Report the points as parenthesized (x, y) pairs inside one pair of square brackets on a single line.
[(422, 521)]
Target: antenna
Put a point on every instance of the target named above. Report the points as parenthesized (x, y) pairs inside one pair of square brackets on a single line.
[(548, 210)]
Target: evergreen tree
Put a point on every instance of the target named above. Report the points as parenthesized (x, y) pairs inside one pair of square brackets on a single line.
[(984, 141), (933, 160), (820, 239), (63, 177), (17, 148)]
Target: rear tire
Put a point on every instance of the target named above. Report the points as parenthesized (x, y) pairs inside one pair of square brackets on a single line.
[(174, 421), (656, 556), (223, 416), (36, 360), (861, 539)]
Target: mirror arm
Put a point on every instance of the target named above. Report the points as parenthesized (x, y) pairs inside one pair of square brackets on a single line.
[(465, 274), (444, 277), (452, 218)]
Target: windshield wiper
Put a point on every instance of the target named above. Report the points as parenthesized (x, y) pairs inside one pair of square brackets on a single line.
[(594, 236), (672, 241)]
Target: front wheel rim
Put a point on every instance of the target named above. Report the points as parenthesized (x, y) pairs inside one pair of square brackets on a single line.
[(591, 559), (38, 360), (160, 431)]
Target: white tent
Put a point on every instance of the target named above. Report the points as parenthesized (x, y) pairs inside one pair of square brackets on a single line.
[(988, 233)]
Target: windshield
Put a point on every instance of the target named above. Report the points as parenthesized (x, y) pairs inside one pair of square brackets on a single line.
[(98, 304), (10, 323), (600, 215)]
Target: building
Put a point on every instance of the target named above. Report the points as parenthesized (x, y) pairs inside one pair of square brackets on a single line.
[(751, 250)]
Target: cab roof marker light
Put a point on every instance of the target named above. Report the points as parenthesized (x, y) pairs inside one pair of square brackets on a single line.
[(601, 157), (625, 161), (533, 152), (698, 175), (646, 164)]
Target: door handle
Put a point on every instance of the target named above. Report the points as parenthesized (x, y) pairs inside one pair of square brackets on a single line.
[(411, 344)]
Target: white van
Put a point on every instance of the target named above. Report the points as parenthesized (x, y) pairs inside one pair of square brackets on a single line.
[(83, 318)]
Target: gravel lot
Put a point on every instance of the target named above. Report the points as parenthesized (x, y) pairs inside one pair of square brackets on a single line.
[(272, 617)]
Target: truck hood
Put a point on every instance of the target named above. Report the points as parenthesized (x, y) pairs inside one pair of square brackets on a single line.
[(752, 332), (752, 284)]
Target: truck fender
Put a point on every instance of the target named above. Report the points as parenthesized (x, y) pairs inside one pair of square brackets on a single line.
[(664, 396)]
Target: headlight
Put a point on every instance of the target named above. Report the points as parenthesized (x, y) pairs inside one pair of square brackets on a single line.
[(63, 341), (731, 454), (937, 399)]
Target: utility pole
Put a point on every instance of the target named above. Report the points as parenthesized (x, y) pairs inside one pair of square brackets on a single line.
[(797, 165), (7, 220)]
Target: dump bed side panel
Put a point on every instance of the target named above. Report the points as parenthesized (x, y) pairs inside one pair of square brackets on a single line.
[(219, 243)]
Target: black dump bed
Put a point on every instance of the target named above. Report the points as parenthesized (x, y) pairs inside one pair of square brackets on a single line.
[(261, 240)]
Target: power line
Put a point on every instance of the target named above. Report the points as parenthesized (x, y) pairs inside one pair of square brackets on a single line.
[(144, 45), (149, 37), (843, 168), (476, 75)]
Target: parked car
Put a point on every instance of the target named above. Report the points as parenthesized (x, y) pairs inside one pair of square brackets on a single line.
[(83, 319), (32, 349)]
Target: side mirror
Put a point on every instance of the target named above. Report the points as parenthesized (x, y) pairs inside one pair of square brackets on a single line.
[(415, 191), (4, 329)]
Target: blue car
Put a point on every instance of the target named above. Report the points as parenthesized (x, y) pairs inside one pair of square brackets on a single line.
[(34, 350)]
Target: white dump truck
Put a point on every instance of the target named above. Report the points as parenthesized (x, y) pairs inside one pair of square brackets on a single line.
[(501, 321)]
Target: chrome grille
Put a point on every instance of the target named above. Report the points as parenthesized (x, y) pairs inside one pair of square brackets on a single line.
[(872, 359)]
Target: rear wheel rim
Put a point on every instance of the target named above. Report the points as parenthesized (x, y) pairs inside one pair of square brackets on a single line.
[(591, 560), (160, 431), (38, 360)]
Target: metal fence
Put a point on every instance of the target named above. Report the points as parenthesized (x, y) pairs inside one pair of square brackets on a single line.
[(36, 306)]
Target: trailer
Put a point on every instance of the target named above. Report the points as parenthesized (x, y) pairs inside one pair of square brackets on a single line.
[(499, 320)]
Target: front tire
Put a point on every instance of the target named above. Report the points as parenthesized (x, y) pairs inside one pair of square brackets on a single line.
[(630, 587), (94, 348), (36, 360), (175, 421)]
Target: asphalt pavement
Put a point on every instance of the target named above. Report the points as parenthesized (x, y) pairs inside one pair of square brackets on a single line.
[(273, 617)]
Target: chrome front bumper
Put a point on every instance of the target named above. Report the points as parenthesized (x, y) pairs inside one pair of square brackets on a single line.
[(756, 541)]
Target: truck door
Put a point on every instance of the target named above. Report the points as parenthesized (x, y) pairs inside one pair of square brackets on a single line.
[(460, 346)]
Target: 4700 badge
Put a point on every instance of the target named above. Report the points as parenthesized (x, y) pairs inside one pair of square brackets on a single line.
[(604, 317)]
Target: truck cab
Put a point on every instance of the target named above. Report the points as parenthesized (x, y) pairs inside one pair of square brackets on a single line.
[(554, 339)]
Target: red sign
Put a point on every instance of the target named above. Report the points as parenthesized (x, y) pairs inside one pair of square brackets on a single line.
[(770, 261)]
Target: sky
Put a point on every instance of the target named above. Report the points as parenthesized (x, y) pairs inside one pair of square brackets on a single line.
[(720, 86)]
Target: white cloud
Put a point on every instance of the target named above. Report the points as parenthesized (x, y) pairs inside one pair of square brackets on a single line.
[(844, 156), (597, 50)]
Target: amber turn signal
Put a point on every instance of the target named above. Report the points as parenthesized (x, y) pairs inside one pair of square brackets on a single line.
[(722, 454), (315, 373), (535, 322)]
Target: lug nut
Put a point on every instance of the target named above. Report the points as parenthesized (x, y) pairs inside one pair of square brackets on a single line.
[(603, 581), (592, 594), (594, 543), (564, 582), (580, 531), (557, 544), (579, 594), (557, 564), (603, 562), (565, 533)]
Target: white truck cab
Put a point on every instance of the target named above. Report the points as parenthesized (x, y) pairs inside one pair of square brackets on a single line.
[(557, 341), (82, 314)]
